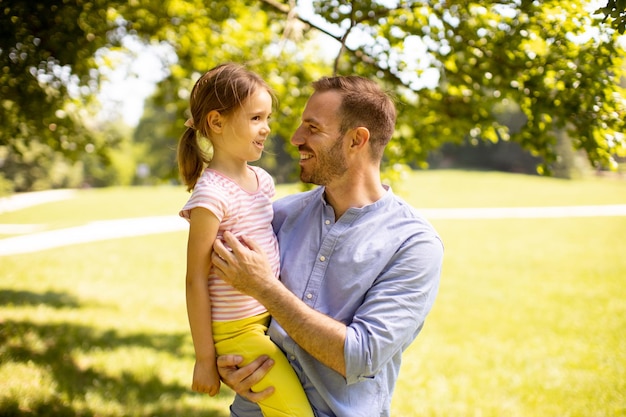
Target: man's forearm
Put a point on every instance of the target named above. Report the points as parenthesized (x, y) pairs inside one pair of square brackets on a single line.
[(246, 268), (321, 336)]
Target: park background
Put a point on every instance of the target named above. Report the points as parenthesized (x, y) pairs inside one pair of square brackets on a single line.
[(511, 105)]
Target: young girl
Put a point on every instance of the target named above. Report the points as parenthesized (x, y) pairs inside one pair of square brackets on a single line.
[(231, 107)]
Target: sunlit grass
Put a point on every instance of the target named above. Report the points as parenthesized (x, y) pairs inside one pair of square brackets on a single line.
[(103, 327), (529, 321), (497, 189)]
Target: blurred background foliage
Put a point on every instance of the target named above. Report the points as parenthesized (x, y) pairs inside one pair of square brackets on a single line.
[(523, 86)]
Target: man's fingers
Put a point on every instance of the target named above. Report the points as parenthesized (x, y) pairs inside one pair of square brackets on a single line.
[(230, 245), (251, 244), (226, 361), (218, 262), (233, 243), (260, 396), (262, 364), (220, 249), (241, 380), (252, 374)]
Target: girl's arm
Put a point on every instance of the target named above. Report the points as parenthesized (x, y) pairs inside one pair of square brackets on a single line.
[(202, 233)]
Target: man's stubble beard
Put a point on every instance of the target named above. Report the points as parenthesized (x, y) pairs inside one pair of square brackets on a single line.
[(331, 163)]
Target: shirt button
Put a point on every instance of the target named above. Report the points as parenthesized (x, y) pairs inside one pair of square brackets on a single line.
[(309, 296), (293, 358), (327, 222), (322, 258)]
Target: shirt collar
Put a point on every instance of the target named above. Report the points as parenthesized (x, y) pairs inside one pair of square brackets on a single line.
[(374, 206)]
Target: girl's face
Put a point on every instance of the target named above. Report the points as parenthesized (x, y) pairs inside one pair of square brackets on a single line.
[(246, 129)]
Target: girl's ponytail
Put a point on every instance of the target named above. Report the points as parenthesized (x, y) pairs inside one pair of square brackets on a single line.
[(191, 158)]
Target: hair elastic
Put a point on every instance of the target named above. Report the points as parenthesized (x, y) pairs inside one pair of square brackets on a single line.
[(189, 124)]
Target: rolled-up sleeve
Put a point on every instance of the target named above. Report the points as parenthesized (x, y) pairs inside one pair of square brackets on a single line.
[(395, 307)]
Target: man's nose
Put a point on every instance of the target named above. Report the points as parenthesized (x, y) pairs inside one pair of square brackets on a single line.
[(296, 138)]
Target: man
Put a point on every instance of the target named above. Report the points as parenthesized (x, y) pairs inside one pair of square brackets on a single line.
[(359, 267)]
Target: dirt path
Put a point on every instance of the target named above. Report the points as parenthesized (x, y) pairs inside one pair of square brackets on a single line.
[(32, 239)]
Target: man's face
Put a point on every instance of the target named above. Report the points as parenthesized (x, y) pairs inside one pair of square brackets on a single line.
[(322, 157)]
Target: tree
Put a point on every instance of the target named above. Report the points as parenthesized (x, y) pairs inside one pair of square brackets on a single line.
[(269, 42), (49, 75), (538, 55), (40, 66), (450, 64), (615, 10), (48, 79)]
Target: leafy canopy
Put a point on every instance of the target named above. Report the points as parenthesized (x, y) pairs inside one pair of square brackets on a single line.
[(561, 66), (454, 67)]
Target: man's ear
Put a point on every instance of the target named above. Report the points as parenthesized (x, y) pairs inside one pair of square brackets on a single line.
[(214, 120), (360, 137)]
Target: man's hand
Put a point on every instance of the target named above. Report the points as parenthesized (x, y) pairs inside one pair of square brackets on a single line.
[(241, 380), (245, 266)]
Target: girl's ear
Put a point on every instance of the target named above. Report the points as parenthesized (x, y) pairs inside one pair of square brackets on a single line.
[(214, 121)]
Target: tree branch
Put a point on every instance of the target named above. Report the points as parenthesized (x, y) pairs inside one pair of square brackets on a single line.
[(363, 56)]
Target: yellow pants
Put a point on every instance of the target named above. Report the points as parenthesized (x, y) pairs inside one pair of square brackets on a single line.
[(247, 338)]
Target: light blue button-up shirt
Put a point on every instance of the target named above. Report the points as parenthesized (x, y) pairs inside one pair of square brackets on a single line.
[(376, 270)]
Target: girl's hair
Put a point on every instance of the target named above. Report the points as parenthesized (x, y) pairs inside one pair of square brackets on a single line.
[(364, 103), (224, 89)]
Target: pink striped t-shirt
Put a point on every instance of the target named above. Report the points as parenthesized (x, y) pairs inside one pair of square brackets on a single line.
[(239, 212)]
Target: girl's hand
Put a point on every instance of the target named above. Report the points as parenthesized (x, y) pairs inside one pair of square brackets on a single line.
[(206, 380)]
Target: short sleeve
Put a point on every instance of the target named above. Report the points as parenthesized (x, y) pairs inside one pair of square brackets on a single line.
[(266, 182), (208, 193)]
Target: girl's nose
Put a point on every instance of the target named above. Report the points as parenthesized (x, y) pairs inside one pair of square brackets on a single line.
[(266, 129)]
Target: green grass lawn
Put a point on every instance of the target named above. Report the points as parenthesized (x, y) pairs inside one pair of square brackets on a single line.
[(530, 319)]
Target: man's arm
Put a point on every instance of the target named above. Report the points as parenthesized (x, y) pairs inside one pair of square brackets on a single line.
[(246, 268)]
